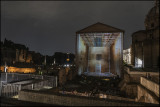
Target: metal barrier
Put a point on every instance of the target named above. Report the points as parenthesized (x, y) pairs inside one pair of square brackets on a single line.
[(10, 90), (12, 77)]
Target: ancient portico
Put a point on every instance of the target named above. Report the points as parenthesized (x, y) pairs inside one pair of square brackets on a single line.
[(99, 50)]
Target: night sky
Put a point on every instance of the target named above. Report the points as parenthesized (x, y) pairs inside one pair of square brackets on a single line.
[(50, 26)]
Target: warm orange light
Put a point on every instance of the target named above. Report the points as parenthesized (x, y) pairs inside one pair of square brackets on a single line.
[(68, 59), (106, 79), (21, 70)]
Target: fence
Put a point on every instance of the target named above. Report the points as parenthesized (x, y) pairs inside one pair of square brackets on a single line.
[(39, 82), (10, 90), (13, 77), (39, 85)]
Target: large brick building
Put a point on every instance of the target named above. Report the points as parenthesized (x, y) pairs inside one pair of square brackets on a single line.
[(145, 43)]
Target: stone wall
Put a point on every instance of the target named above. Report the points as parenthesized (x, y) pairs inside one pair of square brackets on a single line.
[(144, 90), (150, 85), (144, 95), (97, 95), (134, 76), (69, 100), (39, 85), (131, 90)]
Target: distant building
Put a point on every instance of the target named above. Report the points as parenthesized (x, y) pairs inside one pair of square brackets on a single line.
[(22, 55), (64, 59), (145, 43), (12, 53), (99, 50), (17, 57), (127, 56), (8, 55)]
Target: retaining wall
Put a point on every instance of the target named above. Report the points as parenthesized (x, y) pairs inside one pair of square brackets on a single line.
[(69, 100)]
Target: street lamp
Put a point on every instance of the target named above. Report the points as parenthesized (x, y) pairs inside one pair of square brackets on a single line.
[(5, 70)]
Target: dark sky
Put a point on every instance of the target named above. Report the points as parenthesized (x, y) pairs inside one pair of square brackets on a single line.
[(50, 26)]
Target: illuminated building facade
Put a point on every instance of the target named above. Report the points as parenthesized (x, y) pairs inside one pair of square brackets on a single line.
[(99, 49), (127, 56), (145, 43)]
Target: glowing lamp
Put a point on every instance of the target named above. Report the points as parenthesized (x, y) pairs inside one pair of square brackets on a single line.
[(67, 59), (106, 79)]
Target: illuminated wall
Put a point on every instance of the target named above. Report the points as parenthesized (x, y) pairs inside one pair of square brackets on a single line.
[(93, 62), (127, 56), (86, 57), (20, 70), (117, 55), (81, 55)]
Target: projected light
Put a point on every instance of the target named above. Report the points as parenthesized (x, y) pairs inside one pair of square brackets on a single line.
[(138, 62)]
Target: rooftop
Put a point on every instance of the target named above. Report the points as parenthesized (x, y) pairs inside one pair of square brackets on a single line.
[(99, 28)]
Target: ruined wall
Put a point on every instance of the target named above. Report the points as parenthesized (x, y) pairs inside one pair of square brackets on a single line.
[(68, 100), (29, 58), (143, 89), (131, 90), (134, 76), (22, 55), (144, 95), (150, 85)]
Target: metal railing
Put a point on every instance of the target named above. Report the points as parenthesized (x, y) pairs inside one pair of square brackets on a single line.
[(10, 90)]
